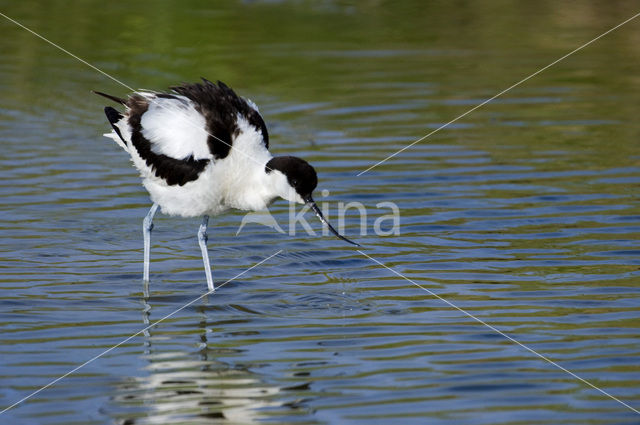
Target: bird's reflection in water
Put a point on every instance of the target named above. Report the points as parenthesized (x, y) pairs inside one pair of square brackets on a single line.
[(195, 386)]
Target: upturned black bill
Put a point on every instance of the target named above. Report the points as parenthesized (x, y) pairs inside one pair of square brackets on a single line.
[(316, 210)]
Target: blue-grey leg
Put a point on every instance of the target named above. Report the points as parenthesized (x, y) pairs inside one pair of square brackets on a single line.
[(202, 241), (147, 225), (146, 312)]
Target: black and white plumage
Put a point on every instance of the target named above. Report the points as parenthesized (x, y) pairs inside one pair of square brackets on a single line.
[(201, 150)]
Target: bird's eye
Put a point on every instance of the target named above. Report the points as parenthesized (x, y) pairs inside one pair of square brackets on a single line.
[(294, 182)]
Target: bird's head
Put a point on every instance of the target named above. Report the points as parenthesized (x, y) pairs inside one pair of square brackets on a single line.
[(295, 181)]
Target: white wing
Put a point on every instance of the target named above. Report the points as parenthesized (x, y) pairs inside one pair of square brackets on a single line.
[(252, 104), (174, 127)]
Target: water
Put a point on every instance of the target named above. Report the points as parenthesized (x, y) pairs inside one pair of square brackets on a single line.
[(524, 214)]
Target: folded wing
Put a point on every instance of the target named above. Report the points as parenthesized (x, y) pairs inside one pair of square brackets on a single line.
[(174, 127)]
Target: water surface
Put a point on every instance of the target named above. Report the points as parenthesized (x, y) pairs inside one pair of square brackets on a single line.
[(524, 214)]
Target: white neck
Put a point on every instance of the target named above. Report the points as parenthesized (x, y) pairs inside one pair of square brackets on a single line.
[(258, 188), (262, 190)]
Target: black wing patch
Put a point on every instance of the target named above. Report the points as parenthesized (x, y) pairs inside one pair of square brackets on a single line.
[(173, 171), (111, 97), (114, 116), (220, 106)]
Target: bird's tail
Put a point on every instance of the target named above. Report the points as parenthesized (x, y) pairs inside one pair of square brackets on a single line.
[(115, 119)]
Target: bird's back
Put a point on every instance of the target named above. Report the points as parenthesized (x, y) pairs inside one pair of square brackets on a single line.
[(181, 142)]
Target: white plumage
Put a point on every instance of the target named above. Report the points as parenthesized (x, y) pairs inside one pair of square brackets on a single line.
[(202, 150), (175, 128)]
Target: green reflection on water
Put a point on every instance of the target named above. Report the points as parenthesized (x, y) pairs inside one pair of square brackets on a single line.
[(521, 212)]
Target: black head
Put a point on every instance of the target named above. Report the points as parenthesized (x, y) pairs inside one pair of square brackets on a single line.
[(303, 178)]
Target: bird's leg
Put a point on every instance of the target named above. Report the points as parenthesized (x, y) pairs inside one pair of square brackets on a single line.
[(202, 241), (147, 225)]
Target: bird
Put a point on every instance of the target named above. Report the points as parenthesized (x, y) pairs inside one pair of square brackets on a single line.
[(202, 150)]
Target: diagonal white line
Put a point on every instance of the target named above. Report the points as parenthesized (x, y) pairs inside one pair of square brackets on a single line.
[(124, 341), (170, 314), (493, 328), (374, 260), (95, 68), (500, 94), (65, 51)]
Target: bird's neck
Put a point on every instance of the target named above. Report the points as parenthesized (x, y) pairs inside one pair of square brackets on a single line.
[(257, 191)]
